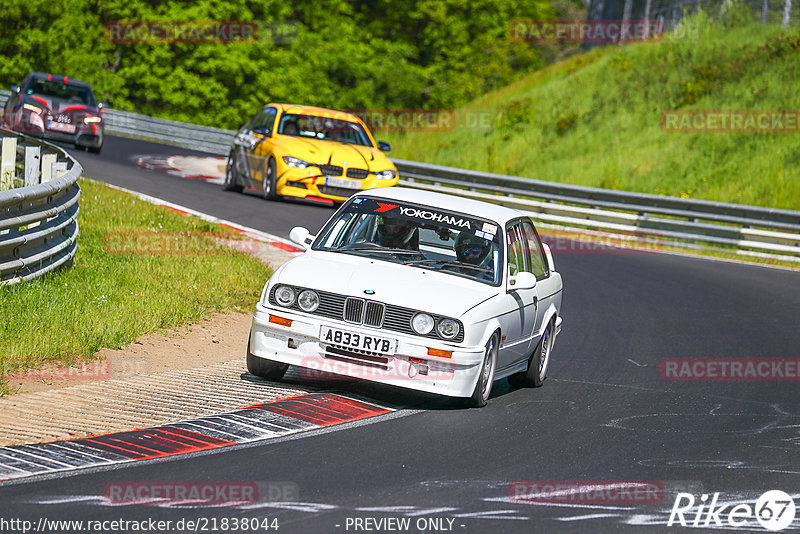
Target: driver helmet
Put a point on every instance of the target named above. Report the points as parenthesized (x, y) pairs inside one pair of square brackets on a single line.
[(472, 249), (395, 233), (291, 128)]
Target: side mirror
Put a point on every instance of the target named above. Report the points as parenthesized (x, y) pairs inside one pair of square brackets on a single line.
[(523, 280), (383, 146), (103, 106), (302, 237), (15, 88)]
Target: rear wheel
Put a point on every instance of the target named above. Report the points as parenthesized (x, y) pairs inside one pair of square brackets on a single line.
[(534, 376), (231, 181), (266, 369), (268, 186), (483, 388)]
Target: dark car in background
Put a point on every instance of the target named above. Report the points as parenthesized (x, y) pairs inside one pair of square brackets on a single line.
[(56, 108)]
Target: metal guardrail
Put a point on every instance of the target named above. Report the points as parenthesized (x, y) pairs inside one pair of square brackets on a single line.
[(685, 222), (206, 139), (38, 219)]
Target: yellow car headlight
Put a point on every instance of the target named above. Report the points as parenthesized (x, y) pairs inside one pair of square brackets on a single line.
[(386, 175), (296, 162)]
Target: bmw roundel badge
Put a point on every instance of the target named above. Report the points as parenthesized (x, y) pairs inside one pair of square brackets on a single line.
[(369, 292)]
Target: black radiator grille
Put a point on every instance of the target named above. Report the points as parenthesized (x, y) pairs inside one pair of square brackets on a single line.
[(359, 174), (331, 170)]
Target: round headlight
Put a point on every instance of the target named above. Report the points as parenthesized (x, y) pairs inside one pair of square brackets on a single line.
[(447, 328), (284, 295), (422, 323), (308, 300)]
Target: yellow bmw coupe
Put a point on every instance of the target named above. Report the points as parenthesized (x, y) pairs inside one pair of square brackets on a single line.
[(307, 152)]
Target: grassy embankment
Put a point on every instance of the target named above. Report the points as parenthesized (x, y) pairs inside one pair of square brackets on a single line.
[(112, 294), (594, 119)]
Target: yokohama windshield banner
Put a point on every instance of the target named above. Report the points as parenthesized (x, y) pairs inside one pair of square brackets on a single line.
[(422, 215)]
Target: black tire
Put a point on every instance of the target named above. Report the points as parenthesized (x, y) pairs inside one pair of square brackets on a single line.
[(95, 149), (483, 387), (231, 182), (266, 369), (268, 185), (534, 375)]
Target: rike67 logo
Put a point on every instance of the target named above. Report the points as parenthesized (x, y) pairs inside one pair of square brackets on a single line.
[(774, 510)]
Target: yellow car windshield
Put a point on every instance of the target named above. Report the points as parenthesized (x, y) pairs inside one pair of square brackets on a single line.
[(324, 128)]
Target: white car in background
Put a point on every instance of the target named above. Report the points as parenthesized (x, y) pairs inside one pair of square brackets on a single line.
[(421, 290)]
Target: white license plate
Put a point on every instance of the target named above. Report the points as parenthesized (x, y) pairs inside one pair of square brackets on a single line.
[(356, 340), (342, 182), (60, 127)]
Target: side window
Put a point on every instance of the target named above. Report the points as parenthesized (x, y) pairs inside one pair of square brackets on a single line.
[(516, 250), (536, 259), (264, 121)]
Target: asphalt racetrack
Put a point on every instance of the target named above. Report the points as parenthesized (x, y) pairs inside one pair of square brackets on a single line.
[(610, 417)]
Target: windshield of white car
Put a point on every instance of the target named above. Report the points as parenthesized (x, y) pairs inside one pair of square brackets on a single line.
[(416, 236), (323, 128)]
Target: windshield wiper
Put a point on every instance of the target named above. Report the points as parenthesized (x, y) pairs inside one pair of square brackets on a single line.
[(454, 263)]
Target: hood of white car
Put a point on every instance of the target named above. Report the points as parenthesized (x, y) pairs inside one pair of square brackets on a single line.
[(411, 287)]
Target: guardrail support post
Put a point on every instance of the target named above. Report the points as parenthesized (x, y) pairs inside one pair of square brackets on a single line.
[(32, 165), (48, 161), (8, 162)]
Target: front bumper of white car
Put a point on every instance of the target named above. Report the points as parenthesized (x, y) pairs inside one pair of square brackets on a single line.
[(411, 364)]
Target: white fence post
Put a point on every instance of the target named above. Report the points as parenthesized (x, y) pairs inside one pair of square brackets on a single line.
[(48, 161), (8, 162), (59, 169), (32, 165)]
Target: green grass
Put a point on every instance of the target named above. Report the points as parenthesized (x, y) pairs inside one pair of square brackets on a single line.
[(594, 119), (108, 300)]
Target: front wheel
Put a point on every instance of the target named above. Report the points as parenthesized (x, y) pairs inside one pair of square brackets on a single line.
[(483, 388), (534, 376), (266, 369), (268, 187), (231, 183)]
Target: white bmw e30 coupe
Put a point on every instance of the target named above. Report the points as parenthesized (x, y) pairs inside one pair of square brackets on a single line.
[(422, 290)]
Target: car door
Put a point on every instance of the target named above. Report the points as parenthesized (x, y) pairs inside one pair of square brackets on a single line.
[(248, 146), (519, 304), (546, 286), (262, 131)]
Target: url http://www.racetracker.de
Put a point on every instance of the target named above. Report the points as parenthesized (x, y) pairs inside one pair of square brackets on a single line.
[(198, 524)]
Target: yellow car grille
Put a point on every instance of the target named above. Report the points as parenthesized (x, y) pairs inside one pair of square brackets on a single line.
[(359, 174), (331, 170)]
